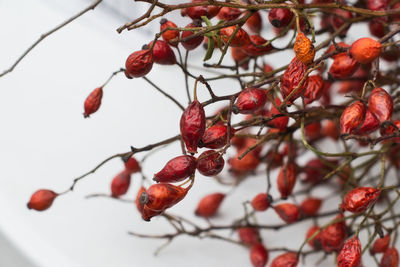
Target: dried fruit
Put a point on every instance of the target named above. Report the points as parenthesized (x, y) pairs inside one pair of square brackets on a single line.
[(132, 165), (208, 205), (314, 88), (380, 104), (169, 35), (304, 49), (139, 205), (350, 255), (390, 129), (257, 46), (177, 169), (330, 129), (162, 53), (333, 236), (193, 42), (359, 199), (370, 124), (377, 5), (254, 22), (216, 136), (280, 17), (286, 180), (192, 125), (352, 117), (241, 37), (279, 122), (250, 100), (288, 259), (315, 170), (313, 131), (287, 212), (291, 79), (380, 245), (338, 19), (390, 258), (42, 199), (343, 66), (249, 235), (139, 63), (376, 27), (210, 163), (229, 13), (93, 101), (258, 255), (310, 206), (239, 56), (316, 242), (196, 12), (120, 184), (365, 50), (261, 202), (247, 163)]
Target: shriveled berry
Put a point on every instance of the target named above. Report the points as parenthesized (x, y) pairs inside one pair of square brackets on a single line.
[(313, 131), (286, 180), (210, 163), (193, 42), (376, 27), (139, 205), (169, 35), (304, 49), (281, 121), (352, 117), (241, 37), (247, 163), (254, 23), (120, 183), (287, 212), (291, 79), (192, 125), (261, 202), (380, 104), (310, 206), (360, 199), (288, 259), (380, 245), (239, 56), (250, 100), (132, 165), (229, 13), (162, 53), (196, 12), (42, 199), (176, 169), (216, 136), (330, 129), (370, 124), (314, 88), (365, 50), (257, 46), (93, 101), (249, 235), (334, 235), (280, 17), (350, 255), (343, 66), (390, 129), (390, 258), (316, 242), (377, 5), (258, 255), (208, 205), (339, 18), (139, 63)]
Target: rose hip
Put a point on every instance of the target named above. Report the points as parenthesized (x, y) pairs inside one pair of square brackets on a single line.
[(370, 124), (390, 258), (177, 169), (288, 259), (258, 255), (288, 212), (162, 53), (194, 42), (360, 199), (333, 236), (257, 46), (120, 183), (352, 117), (286, 180), (254, 23), (229, 13), (350, 255), (216, 136), (314, 88), (192, 125), (280, 17), (250, 100), (380, 245), (169, 35), (132, 165), (330, 129), (139, 63), (208, 205), (241, 37), (139, 205), (93, 102), (304, 49), (343, 66), (42, 199), (261, 202), (316, 242), (380, 104), (365, 50), (210, 163), (310, 206), (249, 235), (291, 79)]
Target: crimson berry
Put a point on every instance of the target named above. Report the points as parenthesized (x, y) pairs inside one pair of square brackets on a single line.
[(250, 100), (286, 180), (120, 183), (280, 17), (257, 46), (281, 121), (41, 199), (229, 13), (365, 50), (310, 206), (330, 129), (261, 202), (291, 79), (192, 125), (316, 242), (139, 63), (350, 255), (380, 104), (196, 12), (210, 163), (241, 37), (288, 259), (162, 53), (176, 169), (390, 258), (258, 255), (333, 236), (338, 19), (216, 136), (380, 245), (208, 205), (139, 205), (192, 42), (132, 165), (254, 23), (370, 124), (359, 199), (169, 35), (249, 235), (93, 101), (314, 88), (352, 117), (343, 66), (288, 212)]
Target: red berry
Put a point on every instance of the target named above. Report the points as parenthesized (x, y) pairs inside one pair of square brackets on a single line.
[(257, 46), (380, 245), (343, 66), (350, 255), (41, 199), (313, 131), (261, 202), (176, 169), (249, 235), (330, 129), (139, 205), (380, 104), (352, 117), (338, 19), (210, 163), (139, 63), (370, 124), (365, 50), (288, 259), (291, 79), (229, 13), (196, 12), (258, 255), (208, 205), (93, 101), (390, 258), (310, 206), (132, 165), (314, 88), (216, 136), (120, 183), (254, 23), (280, 17), (360, 199), (192, 125), (334, 235), (287, 212), (316, 242), (194, 42), (241, 37), (169, 35), (162, 53), (250, 100), (281, 121), (286, 180)]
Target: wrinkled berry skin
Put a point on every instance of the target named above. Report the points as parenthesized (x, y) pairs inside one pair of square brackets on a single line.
[(169, 35), (249, 235), (250, 100), (192, 125), (256, 46), (208, 205), (359, 199), (229, 13), (352, 117), (291, 79), (313, 91), (390, 258), (239, 56), (380, 245), (210, 163), (288, 212), (177, 169), (120, 184), (389, 130), (261, 202), (41, 200), (241, 37), (365, 50), (376, 5), (194, 42), (350, 255), (132, 165), (316, 242), (139, 205), (196, 12), (279, 122), (288, 259), (162, 53), (310, 206), (380, 104), (160, 197), (93, 101), (254, 23), (304, 49), (343, 66), (139, 63), (286, 180), (215, 136), (258, 255), (370, 124), (333, 236), (280, 17)]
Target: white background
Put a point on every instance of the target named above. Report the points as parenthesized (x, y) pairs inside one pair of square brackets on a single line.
[(45, 143)]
